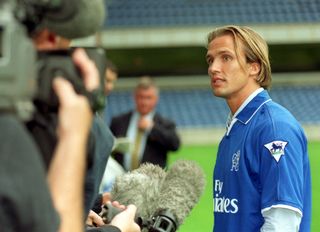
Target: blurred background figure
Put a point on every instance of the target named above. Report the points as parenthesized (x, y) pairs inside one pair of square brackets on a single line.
[(150, 135), (111, 77), (113, 168)]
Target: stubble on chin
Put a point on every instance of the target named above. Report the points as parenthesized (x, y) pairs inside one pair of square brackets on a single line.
[(215, 91)]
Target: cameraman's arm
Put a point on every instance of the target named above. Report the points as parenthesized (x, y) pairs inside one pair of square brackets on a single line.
[(66, 172)]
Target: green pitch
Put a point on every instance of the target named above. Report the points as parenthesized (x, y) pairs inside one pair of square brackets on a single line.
[(201, 219)]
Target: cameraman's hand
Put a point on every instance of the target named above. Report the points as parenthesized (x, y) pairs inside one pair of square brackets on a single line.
[(71, 104), (125, 220), (94, 219), (71, 107), (88, 69)]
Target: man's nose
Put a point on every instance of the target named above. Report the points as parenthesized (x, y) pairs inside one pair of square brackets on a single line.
[(214, 67)]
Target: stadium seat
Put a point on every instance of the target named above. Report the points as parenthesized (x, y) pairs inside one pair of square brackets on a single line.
[(155, 13)]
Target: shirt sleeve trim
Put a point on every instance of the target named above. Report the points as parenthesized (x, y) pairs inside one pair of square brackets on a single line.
[(284, 207)]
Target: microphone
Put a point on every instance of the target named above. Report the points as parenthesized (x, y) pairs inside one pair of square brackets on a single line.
[(140, 187), (76, 18), (163, 199), (182, 188)]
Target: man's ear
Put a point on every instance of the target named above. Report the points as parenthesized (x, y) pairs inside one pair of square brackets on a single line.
[(254, 69), (45, 40)]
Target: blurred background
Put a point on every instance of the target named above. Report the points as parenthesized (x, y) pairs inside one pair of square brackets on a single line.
[(166, 39)]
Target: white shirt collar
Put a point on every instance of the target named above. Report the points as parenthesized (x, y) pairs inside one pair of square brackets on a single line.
[(232, 118)]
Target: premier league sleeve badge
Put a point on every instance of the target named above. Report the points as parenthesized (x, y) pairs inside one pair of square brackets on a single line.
[(276, 149)]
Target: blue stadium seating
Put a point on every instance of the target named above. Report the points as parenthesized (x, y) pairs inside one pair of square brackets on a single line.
[(150, 13), (199, 108)]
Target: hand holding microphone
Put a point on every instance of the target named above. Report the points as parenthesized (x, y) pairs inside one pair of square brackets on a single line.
[(128, 213), (122, 219)]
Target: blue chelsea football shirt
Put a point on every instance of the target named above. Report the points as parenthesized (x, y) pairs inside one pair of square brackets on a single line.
[(262, 162)]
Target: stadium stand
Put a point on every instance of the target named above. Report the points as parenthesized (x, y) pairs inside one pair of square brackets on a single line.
[(198, 108), (142, 13), (302, 101), (154, 23)]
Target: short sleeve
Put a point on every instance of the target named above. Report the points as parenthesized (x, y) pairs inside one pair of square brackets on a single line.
[(281, 147)]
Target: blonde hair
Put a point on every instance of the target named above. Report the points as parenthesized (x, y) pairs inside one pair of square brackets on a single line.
[(254, 46)]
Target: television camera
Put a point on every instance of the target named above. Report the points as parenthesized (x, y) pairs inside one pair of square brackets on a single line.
[(25, 74)]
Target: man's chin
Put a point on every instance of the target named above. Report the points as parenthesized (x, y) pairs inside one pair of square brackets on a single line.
[(217, 93)]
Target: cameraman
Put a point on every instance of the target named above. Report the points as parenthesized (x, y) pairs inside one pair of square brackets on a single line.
[(47, 40), (86, 19), (22, 170), (43, 124)]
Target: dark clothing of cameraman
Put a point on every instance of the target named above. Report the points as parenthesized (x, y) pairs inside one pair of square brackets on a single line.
[(25, 200), (107, 228), (99, 147), (23, 178)]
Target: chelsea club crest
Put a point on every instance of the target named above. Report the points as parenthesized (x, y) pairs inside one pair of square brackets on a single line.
[(235, 161)]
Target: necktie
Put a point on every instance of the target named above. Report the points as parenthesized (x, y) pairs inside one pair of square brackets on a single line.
[(136, 148)]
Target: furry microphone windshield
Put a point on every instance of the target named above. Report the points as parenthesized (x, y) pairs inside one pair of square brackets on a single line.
[(169, 195)]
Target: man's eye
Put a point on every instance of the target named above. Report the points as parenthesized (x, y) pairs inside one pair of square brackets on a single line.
[(227, 58)]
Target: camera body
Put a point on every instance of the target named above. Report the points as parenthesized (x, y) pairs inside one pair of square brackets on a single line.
[(56, 63), (18, 70), (25, 75)]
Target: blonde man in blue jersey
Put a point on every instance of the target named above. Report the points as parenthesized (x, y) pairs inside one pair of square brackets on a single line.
[(262, 174)]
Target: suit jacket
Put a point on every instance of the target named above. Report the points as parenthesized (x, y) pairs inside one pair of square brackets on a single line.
[(162, 138)]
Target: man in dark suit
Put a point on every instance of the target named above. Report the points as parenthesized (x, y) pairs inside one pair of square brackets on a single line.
[(151, 135)]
